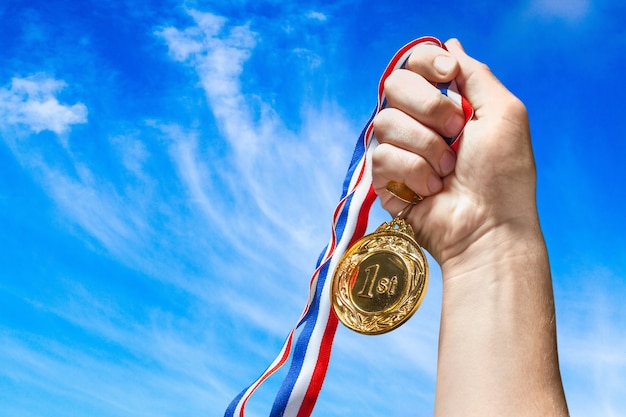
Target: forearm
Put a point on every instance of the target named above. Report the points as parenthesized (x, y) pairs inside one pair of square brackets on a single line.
[(497, 351)]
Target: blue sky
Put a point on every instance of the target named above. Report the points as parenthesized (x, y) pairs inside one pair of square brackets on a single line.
[(168, 171)]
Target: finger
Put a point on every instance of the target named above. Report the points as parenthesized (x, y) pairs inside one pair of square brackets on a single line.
[(396, 128), (433, 63), (415, 96), (390, 163), (494, 107)]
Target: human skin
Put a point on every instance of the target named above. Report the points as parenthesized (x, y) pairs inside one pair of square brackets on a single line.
[(497, 342)]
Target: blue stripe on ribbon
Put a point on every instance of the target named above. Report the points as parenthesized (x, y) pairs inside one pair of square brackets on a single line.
[(359, 151)]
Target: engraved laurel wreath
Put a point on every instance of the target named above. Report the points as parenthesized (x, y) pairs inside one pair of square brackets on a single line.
[(393, 243)]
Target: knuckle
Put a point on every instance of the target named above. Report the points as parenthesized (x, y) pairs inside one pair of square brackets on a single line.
[(414, 166), (433, 104), (513, 110), (432, 143), (383, 123), (379, 125), (517, 108), (481, 66), (393, 82), (380, 154)]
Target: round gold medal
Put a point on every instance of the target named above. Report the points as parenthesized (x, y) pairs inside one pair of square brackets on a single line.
[(381, 280)]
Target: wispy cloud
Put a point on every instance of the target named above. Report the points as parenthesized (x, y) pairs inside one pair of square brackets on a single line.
[(592, 341), (101, 385), (151, 362), (274, 172), (138, 221)]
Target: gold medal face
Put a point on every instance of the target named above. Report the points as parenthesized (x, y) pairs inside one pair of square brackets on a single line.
[(380, 281)]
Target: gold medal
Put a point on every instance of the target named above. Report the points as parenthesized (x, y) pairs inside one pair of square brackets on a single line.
[(381, 280)]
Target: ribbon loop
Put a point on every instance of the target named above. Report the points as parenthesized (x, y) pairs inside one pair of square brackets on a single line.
[(311, 353)]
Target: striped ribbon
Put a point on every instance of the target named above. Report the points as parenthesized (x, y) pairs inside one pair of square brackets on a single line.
[(318, 323)]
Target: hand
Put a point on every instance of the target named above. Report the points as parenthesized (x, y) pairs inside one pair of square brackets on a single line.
[(497, 342), (489, 185)]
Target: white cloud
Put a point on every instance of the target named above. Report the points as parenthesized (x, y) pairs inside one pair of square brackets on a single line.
[(32, 102), (219, 63), (314, 15), (571, 10), (313, 60), (132, 152)]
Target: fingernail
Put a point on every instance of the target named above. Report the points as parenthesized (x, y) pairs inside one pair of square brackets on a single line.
[(443, 64), (434, 183), (447, 162), (455, 124)]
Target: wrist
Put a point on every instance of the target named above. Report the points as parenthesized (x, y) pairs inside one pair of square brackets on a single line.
[(496, 246)]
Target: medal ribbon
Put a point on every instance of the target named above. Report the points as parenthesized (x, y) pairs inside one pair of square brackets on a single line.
[(311, 353)]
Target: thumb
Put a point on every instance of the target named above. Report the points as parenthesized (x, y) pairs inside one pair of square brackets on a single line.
[(476, 82), (497, 139)]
